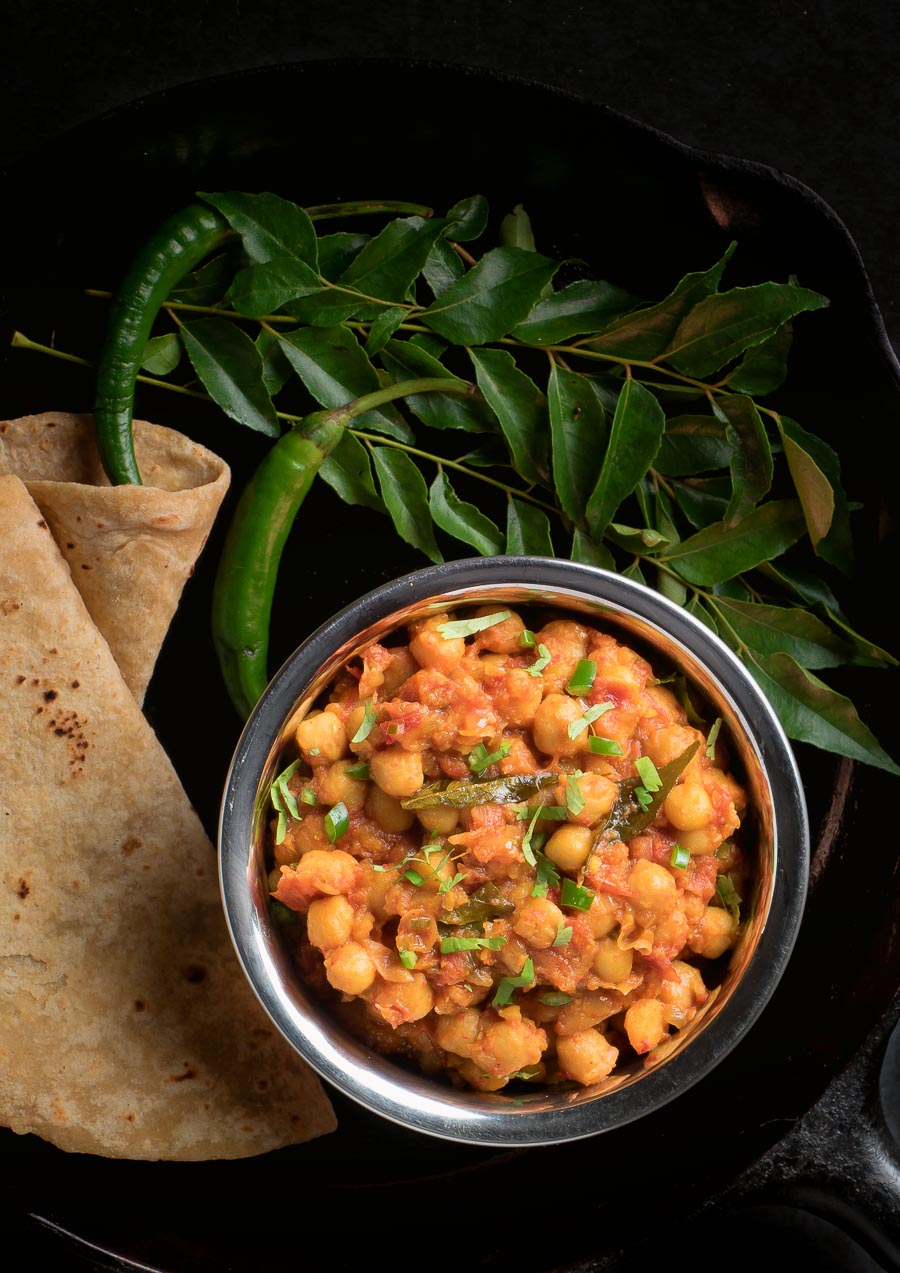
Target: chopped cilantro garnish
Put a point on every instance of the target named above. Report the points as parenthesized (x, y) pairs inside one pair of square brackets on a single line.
[(450, 945), (578, 726), (555, 998), (408, 958), (604, 746), (507, 985), (360, 772), (468, 627), (648, 772), (368, 720), (446, 885), (711, 739), (576, 895), (583, 677), (554, 812), (527, 851), (540, 663), (679, 857), (574, 796), (337, 822), (729, 896), (563, 935), (546, 876), (643, 797), (314, 751), (283, 801), (526, 640), (308, 796), (480, 758), (414, 877)]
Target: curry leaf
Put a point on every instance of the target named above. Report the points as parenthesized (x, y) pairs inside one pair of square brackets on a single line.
[(579, 432), (231, 369), (751, 455), (815, 471), (406, 497), (347, 471), (467, 219), (405, 361), (388, 264), (162, 354), (769, 629), (590, 553), (584, 306), (442, 267), (718, 552), (527, 530), (264, 289), (764, 368), (383, 328), (463, 520), (634, 439), (491, 298), (520, 407), (692, 444), (268, 225)]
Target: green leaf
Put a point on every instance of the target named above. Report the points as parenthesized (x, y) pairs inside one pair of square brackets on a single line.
[(815, 470), (719, 552), (491, 298), (347, 471), (405, 361), (811, 712), (721, 327), (406, 498), (703, 500), (521, 408), (209, 283), (584, 306), (231, 370), (463, 520), (335, 369), (336, 251), (383, 328), (264, 289), (516, 231), (162, 354), (442, 268), (589, 553), (636, 539), (645, 333), (634, 440), (388, 264), (277, 371), (467, 219), (764, 368), (751, 455), (768, 629), (579, 431), (867, 653), (269, 226), (527, 530)]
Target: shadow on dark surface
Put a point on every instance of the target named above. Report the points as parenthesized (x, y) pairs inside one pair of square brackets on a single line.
[(674, 210)]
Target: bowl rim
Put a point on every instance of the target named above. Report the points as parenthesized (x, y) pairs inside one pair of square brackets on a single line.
[(470, 1117)]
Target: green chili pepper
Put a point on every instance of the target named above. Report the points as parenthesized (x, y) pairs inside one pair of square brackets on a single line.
[(462, 794), (248, 565), (177, 247)]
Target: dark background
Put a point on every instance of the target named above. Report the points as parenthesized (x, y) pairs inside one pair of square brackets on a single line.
[(810, 89)]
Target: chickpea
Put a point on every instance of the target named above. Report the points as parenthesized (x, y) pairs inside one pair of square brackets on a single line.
[(599, 794), (400, 1001), (335, 786), (688, 806), (671, 741), (351, 728), (350, 968), (550, 726), (399, 773), (457, 1033), (587, 1010), (539, 922), (567, 643), (610, 962), (515, 695), (586, 1057), (502, 638), (645, 1024), (441, 820), (568, 848), (377, 884), (680, 996), (701, 840), (401, 667), (716, 934), (321, 736), (328, 871), (431, 649), (655, 891), (509, 1045), (602, 916), (387, 811), (329, 921)]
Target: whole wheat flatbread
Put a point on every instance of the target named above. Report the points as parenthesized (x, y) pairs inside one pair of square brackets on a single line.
[(126, 1026), (130, 548)]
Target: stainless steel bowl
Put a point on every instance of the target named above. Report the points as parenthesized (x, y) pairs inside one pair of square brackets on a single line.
[(779, 835)]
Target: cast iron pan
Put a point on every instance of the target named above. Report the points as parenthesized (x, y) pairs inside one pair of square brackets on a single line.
[(643, 209)]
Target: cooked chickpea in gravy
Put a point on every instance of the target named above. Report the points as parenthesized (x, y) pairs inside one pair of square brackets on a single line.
[(508, 853)]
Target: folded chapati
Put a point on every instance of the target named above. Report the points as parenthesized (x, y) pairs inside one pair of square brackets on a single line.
[(130, 548), (126, 1026)]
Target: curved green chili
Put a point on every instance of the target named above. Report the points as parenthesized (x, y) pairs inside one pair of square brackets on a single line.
[(247, 570), (178, 246)]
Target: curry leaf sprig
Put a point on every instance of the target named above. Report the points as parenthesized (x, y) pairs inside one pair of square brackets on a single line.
[(637, 435)]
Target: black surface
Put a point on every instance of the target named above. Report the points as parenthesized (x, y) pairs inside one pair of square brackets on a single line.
[(796, 92)]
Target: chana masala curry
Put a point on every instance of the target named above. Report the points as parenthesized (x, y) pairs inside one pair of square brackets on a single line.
[(509, 853)]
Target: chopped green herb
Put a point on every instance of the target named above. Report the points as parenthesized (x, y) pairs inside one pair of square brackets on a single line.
[(360, 772), (308, 796), (368, 720), (314, 751), (648, 772), (553, 812), (278, 805), (337, 822), (527, 1075), (578, 726), (414, 877), (507, 985), (450, 945), (576, 895), (480, 758), (283, 800), (540, 663), (563, 935), (526, 640), (604, 746), (554, 998), (643, 797), (583, 677), (382, 868), (546, 876), (679, 857), (729, 896), (408, 958), (527, 851), (711, 739), (468, 627), (574, 797), (446, 885)]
